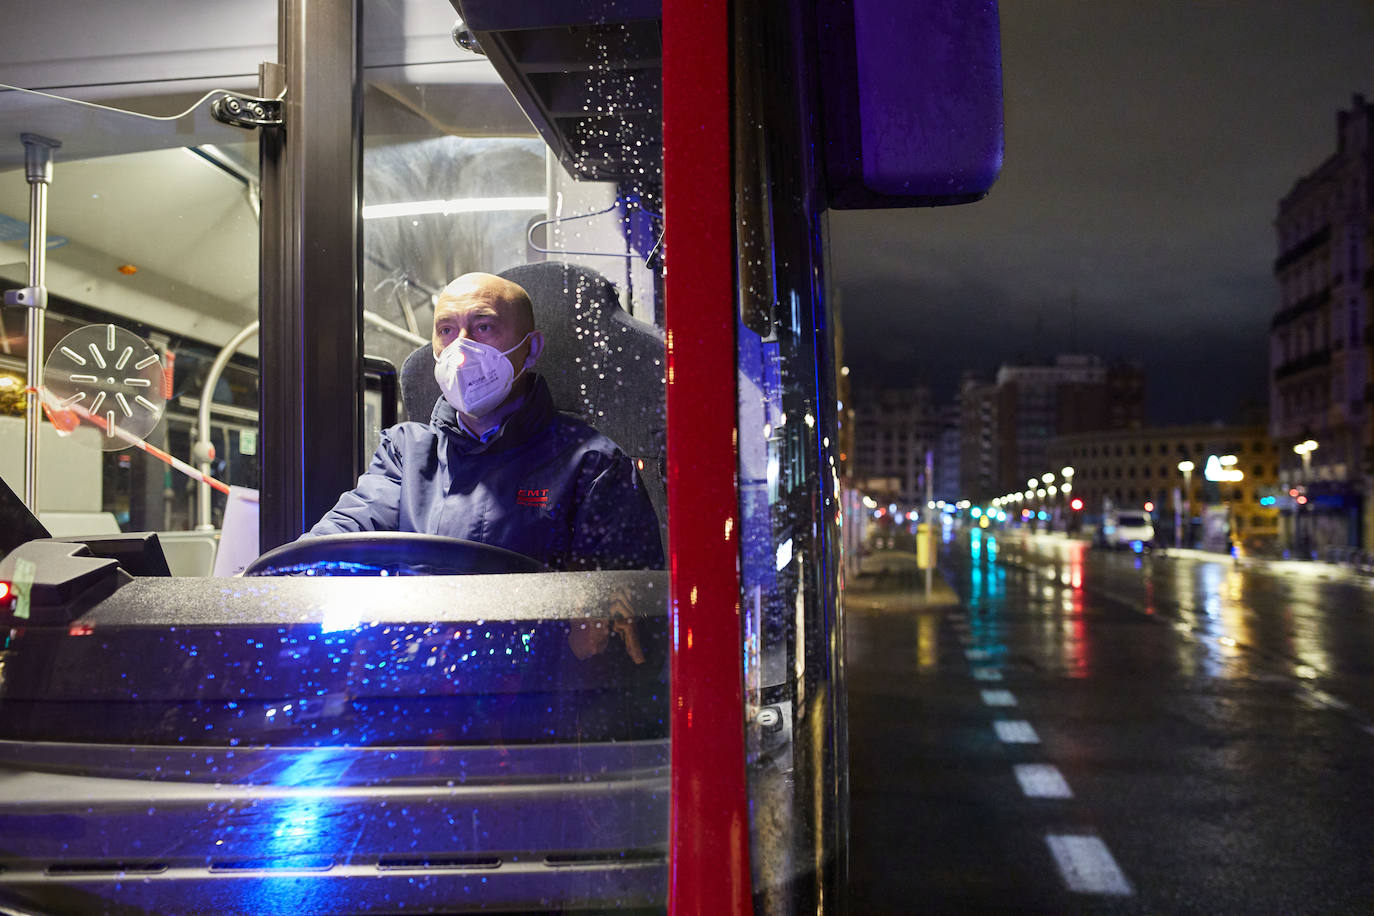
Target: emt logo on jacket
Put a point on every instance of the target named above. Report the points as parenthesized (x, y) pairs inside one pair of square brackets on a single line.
[(532, 497)]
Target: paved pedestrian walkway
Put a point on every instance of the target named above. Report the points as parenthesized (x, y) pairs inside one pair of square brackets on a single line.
[(890, 582)]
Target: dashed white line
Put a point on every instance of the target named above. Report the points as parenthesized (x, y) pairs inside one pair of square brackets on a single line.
[(987, 674), (1042, 780), (1322, 698), (1087, 866), (1015, 731), (998, 698)]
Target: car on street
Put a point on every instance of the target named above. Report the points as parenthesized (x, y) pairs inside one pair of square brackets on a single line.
[(1127, 529)]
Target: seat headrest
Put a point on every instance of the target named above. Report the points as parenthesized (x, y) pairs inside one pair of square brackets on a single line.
[(598, 360), (419, 390)]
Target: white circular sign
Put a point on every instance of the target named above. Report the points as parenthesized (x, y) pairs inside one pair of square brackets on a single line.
[(109, 377)]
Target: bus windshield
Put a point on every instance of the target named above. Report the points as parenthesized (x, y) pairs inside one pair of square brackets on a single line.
[(476, 732)]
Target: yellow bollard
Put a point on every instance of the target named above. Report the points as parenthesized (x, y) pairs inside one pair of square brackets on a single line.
[(925, 546)]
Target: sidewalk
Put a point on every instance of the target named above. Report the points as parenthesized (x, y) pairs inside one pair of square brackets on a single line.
[(1316, 569), (890, 582)]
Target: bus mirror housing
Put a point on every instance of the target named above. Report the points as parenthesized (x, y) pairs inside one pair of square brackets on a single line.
[(912, 101)]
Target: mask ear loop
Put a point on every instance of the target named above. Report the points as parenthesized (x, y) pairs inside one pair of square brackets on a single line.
[(525, 366)]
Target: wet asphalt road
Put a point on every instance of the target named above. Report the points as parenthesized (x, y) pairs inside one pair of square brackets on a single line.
[(1089, 732)]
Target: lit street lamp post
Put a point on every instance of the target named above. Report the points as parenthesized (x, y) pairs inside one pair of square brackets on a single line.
[(1045, 491), (1187, 468), (1065, 489), (1303, 450)]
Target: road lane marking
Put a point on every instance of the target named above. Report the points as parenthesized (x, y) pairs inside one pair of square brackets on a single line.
[(987, 674), (1322, 698), (1042, 780), (999, 698), (1087, 866), (1015, 731)]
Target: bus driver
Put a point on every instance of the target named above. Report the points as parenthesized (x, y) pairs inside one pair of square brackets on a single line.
[(497, 463)]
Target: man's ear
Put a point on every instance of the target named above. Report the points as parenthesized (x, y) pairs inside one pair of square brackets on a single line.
[(536, 347)]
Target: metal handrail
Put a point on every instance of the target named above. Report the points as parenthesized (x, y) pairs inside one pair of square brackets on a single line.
[(203, 451)]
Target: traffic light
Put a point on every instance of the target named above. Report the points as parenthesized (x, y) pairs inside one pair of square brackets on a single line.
[(1076, 504)]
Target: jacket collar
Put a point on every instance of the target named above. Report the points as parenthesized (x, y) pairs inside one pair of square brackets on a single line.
[(529, 418)]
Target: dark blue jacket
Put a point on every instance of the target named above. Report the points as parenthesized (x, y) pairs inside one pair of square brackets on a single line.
[(545, 485)]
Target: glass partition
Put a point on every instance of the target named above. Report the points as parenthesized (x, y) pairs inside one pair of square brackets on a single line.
[(457, 180), (377, 729), (152, 227)]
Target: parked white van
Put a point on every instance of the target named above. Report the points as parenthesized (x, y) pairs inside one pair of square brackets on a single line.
[(1131, 528)]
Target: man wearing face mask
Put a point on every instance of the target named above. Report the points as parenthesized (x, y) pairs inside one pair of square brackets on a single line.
[(497, 463)]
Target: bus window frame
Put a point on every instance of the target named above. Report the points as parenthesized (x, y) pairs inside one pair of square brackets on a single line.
[(311, 405)]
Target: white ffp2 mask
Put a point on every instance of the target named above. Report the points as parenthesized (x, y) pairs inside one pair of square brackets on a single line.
[(476, 377)]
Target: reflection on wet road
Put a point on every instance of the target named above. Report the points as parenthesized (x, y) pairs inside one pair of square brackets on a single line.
[(1098, 732), (1263, 621)]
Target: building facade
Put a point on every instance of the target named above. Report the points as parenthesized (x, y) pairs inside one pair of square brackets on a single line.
[(979, 479), (1139, 467), (1033, 393), (1007, 424), (948, 462), (893, 430), (1319, 337)]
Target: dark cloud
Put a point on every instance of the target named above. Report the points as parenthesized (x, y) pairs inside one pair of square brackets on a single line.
[(1147, 148)]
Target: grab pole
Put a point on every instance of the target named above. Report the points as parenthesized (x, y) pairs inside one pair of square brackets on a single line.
[(38, 171)]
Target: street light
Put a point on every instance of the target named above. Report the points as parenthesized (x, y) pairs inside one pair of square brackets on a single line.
[(1187, 468), (1304, 449)]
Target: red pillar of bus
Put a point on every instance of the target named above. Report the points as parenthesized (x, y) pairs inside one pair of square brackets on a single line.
[(709, 855)]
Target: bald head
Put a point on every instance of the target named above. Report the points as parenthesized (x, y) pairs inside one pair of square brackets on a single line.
[(485, 308), (482, 295)]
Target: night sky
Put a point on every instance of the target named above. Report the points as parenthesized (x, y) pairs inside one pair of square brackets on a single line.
[(1147, 147)]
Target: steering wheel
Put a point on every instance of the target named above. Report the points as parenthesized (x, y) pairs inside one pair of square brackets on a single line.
[(375, 553)]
